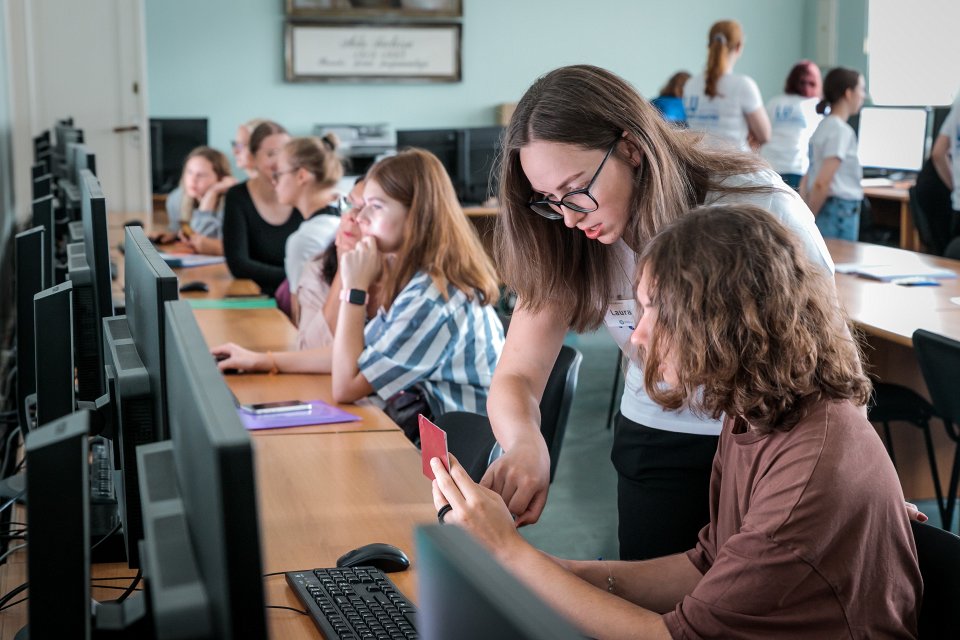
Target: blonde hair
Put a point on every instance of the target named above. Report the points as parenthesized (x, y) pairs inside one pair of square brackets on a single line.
[(725, 37), (550, 266), (221, 167), (437, 237), (318, 156), (750, 324), (252, 124)]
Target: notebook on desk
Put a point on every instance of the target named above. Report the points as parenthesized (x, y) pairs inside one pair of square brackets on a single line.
[(184, 260), (887, 272), (320, 413), (868, 183)]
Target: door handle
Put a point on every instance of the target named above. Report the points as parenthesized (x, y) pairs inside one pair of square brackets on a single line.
[(127, 128)]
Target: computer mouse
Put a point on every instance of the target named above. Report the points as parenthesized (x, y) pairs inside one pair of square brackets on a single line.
[(379, 555), (196, 285)]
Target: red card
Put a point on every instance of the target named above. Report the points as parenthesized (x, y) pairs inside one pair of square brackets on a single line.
[(433, 444)]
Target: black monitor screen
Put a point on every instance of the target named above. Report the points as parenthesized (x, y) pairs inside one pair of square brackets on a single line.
[(465, 594), (30, 251), (443, 143), (45, 216), (94, 214), (939, 115), (79, 157), (148, 284), (482, 146), (213, 457), (171, 141)]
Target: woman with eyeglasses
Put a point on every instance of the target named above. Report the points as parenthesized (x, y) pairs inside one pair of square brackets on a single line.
[(725, 105), (793, 119), (306, 177), (435, 332), (807, 536), (590, 173), (256, 224)]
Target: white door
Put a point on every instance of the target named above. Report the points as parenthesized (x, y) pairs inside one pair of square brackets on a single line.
[(87, 60)]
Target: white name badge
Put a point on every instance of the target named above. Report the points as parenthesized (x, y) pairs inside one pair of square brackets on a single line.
[(621, 321)]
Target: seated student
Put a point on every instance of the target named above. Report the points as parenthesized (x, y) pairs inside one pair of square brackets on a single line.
[(318, 293), (670, 101), (803, 541), (255, 224), (436, 327), (195, 207), (306, 177), (832, 186)]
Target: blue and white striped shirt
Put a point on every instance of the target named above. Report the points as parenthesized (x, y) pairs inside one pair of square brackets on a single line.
[(450, 347)]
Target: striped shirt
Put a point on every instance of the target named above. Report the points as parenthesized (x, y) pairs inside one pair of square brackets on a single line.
[(449, 347)]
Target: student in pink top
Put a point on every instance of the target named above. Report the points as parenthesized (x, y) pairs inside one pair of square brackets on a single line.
[(808, 536)]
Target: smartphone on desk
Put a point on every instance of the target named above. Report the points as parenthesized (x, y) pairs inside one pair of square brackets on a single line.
[(280, 406)]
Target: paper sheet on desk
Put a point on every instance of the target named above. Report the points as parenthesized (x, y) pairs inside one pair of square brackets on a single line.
[(185, 260), (320, 413), (887, 272)]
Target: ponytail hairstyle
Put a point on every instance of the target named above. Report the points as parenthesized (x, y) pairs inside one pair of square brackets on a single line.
[(725, 37), (221, 167), (804, 80), (318, 156), (838, 81)]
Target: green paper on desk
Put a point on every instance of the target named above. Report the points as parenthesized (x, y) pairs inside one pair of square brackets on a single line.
[(232, 303)]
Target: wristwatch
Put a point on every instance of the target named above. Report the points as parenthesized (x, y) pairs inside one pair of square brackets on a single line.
[(354, 296)]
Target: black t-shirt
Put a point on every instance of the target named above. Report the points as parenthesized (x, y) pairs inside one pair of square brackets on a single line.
[(253, 247)]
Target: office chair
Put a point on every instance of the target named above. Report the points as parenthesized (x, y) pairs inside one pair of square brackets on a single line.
[(470, 437), (953, 249), (938, 554), (939, 360)]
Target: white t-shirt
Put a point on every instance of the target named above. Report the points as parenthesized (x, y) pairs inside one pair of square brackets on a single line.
[(793, 119), (951, 129), (786, 206), (311, 238), (834, 138), (723, 116)]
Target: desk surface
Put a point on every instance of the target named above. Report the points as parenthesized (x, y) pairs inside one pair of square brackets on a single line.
[(891, 311)]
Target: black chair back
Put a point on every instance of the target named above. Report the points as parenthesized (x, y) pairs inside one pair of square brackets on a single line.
[(922, 222), (938, 553), (939, 359), (556, 401), (470, 438)]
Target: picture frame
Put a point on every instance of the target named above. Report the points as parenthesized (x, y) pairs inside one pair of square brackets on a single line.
[(372, 52), (373, 9)]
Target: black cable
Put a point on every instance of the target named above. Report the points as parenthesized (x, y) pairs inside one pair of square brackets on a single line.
[(13, 593), (275, 573), (101, 540), (280, 606), (132, 587), (12, 500), (9, 551), (117, 578), (5, 607), (110, 586)]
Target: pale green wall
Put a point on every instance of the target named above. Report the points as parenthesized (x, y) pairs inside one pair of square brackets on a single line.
[(6, 155), (224, 58)]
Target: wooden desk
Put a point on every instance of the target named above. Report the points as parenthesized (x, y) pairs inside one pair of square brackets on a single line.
[(897, 195), (888, 314)]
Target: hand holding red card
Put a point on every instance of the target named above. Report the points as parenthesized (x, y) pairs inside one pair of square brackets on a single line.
[(433, 444)]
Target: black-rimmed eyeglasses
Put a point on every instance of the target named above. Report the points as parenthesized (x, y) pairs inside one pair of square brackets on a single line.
[(579, 200)]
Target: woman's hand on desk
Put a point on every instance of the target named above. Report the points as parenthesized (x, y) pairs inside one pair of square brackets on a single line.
[(477, 509), (239, 358)]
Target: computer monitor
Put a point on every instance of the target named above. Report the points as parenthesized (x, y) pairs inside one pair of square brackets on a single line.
[(892, 138), (171, 141), (446, 144), (45, 216), (465, 594), (201, 547), (939, 115), (53, 362), (481, 147), (41, 142), (134, 345), (79, 157), (66, 134), (58, 509), (90, 377), (42, 186), (30, 249)]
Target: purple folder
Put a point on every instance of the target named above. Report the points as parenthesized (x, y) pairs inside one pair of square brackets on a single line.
[(320, 413)]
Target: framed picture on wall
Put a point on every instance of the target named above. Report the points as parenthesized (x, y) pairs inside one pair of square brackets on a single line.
[(367, 9), (363, 52)]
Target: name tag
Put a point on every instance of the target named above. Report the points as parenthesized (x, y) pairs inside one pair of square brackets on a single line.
[(621, 321)]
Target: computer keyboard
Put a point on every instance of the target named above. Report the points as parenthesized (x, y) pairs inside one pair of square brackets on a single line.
[(355, 604), (101, 471)]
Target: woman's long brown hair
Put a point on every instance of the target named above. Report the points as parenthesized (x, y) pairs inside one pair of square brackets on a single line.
[(437, 237), (551, 266)]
